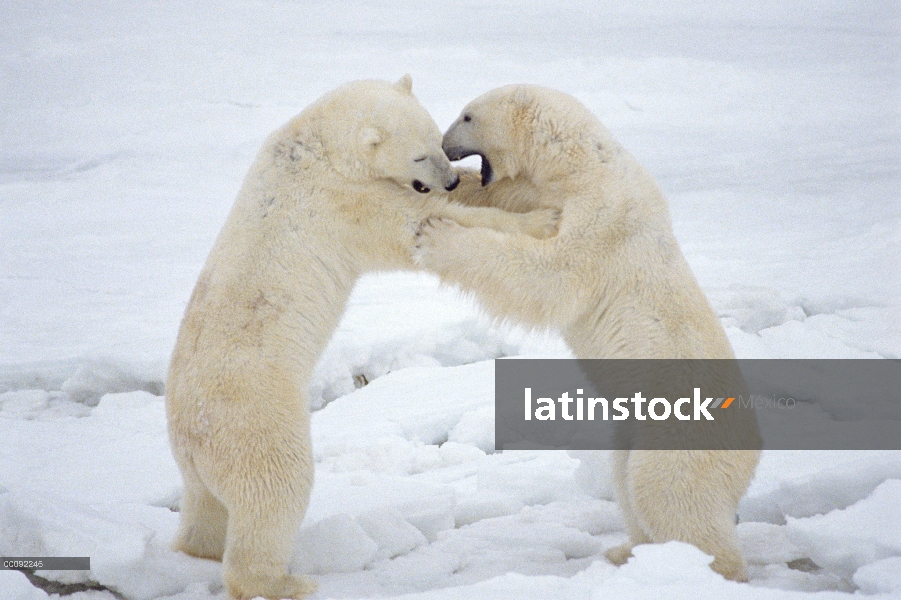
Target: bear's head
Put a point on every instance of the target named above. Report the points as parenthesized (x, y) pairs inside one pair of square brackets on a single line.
[(376, 130), (525, 131)]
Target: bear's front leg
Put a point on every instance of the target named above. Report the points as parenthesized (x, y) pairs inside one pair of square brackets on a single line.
[(441, 247), (542, 223), (512, 275)]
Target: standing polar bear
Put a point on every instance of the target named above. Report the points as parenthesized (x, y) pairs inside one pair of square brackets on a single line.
[(336, 192), (613, 281)]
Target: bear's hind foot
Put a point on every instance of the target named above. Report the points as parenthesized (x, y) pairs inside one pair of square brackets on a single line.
[(198, 550), (732, 568), (619, 555), (257, 586), (201, 541)]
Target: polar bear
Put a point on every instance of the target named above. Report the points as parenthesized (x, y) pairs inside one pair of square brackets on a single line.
[(613, 281), (336, 192)]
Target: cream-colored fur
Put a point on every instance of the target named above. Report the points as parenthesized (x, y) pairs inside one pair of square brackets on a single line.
[(613, 281), (330, 197)]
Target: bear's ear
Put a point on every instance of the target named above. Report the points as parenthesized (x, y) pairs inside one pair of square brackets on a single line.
[(370, 136), (405, 84)]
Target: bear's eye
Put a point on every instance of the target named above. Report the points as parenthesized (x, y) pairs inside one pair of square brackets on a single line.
[(467, 118), (419, 159)]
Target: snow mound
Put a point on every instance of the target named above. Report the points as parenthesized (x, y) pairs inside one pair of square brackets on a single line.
[(424, 406), (347, 365), (15, 586), (43, 451), (42, 525), (803, 484), (845, 540), (335, 545), (880, 577)]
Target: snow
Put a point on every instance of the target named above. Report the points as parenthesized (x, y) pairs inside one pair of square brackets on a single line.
[(863, 533), (125, 131), (16, 586)]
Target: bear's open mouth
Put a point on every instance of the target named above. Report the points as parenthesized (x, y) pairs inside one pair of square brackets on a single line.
[(487, 173), (419, 187), (459, 153)]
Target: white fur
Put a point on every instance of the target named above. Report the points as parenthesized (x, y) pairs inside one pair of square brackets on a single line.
[(613, 281), (329, 197)]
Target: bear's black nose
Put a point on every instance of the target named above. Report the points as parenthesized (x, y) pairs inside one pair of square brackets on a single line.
[(453, 185), (419, 187)]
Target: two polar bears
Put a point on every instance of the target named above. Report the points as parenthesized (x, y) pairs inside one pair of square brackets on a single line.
[(338, 191), (613, 281)]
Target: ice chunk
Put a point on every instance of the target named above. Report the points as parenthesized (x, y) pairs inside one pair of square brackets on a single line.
[(803, 484), (764, 543), (334, 545), (753, 308), (485, 506), (475, 428), (669, 563), (33, 524), (24, 403), (532, 477), (387, 528), (421, 404), (865, 532), (594, 474), (91, 381), (880, 577), (15, 586)]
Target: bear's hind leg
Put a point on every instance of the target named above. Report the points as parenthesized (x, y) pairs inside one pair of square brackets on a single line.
[(258, 551), (268, 498), (690, 496), (618, 555), (203, 519)]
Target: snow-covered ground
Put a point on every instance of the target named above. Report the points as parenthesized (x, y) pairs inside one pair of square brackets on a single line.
[(126, 129)]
